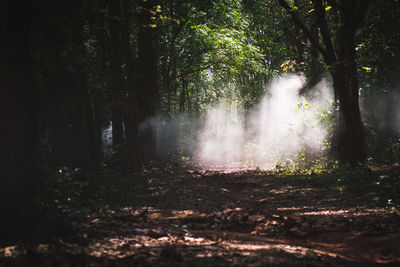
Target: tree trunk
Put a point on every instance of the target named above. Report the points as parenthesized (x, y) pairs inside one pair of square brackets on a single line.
[(182, 98), (352, 145), (130, 101), (116, 76), (82, 114), (99, 114), (19, 155), (147, 81), (97, 132), (131, 135), (299, 46), (69, 110)]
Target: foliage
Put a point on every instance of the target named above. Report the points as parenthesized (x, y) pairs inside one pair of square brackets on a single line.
[(213, 51), (373, 185), (72, 195), (378, 57)]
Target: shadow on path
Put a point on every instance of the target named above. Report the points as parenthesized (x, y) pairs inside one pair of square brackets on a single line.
[(252, 218)]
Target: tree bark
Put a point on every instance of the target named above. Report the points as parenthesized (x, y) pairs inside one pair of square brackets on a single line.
[(130, 102), (99, 113), (147, 81), (116, 76), (69, 111), (20, 154), (182, 97), (352, 145)]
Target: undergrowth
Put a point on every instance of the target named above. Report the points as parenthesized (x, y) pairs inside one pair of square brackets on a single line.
[(69, 196), (370, 185)]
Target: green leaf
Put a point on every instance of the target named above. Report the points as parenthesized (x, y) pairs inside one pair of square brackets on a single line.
[(367, 69)]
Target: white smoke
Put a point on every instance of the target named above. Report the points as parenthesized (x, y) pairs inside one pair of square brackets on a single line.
[(221, 139), (282, 126)]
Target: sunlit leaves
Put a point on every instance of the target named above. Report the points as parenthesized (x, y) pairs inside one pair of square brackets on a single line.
[(231, 48), (288, 65), (367, 69)]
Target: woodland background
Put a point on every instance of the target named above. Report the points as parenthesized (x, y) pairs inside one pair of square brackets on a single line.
[(70, 69)]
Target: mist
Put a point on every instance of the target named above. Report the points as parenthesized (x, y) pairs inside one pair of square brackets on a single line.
[(281, 128)]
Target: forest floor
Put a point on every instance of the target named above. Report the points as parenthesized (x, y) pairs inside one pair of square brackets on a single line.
[(195, 217)]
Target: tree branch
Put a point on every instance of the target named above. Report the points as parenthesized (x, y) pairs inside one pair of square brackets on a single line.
[(323, 27), (297, 21), (193, 71)]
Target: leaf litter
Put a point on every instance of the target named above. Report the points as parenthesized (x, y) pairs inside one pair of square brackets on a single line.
[(216, 218)]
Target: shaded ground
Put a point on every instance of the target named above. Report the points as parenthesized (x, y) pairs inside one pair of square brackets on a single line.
[(244, 218)]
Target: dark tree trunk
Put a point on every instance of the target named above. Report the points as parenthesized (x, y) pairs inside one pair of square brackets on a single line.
[(166, 82), (352, 145), (82, 116), (316, 67), (298, 41), (169, 64), (130, 101), (99, 113), (97, 132), (147, 81), (19, 155), (69, 111), (116, 76), (182, 98), (351, 141), (131, 134)]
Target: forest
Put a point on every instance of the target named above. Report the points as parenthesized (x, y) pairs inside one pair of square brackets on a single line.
[(200, 133)]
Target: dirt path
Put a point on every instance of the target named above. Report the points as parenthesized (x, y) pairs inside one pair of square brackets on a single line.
[(233, 219)]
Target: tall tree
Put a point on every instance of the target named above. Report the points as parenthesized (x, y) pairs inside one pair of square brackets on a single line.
[(61, 47), (338, 49), (147, 78), (116, 74), (130, 102), (19, 155)]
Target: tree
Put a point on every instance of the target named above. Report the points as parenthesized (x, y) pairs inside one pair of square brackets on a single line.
[(116, 75), (19, 155), (147, 79), (338, 49), (130, 102), (378, 56), (60, 73)]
